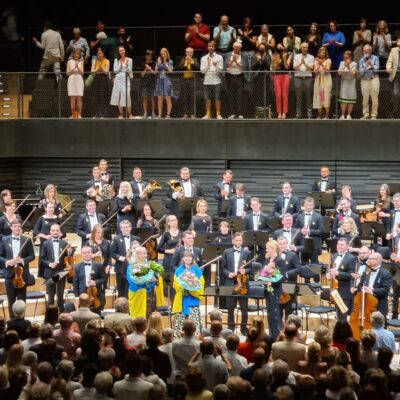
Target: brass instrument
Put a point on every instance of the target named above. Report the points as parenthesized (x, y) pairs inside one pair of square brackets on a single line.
[(151, 187), (175, 186), (107, 192)]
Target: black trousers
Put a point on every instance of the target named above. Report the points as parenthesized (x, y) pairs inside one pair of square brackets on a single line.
[(235, 91), (13, 294), (396, 294), (52, 289), (231, 305), (273, 311), (122, 285)]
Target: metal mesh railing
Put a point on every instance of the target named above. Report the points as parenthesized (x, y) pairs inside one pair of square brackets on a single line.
[(253, 95)]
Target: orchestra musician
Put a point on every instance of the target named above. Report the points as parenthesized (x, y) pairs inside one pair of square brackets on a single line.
[(170, 239), (224, 190), (347, 194), (105, 175), (14, 252), (340, 269), (239, 203), (325, 183), (312, 226), (8, 216), (138, 186), (94, 187), (88, 275), (361, 264), (150, 224), (377, 282), (286, 203), (348, 230), (224, 236), (52, 258), (231, 263), (201, 222), (345, 211), (119, 247), (188, 242), (191, 188), (88, 220), (124, 204), (294, 237), (50, 196), (5, 198), (384, 207), (394, 218)]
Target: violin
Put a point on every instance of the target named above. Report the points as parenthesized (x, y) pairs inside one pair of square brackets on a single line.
[(242, 279), (18, 280), (151, 247), (94, 300), (69, 264)]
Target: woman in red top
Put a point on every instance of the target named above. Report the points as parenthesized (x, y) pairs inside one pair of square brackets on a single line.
[(246, 349)]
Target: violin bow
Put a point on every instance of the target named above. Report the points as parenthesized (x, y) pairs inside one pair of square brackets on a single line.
[(112, 216), (22, 202), (155, 226), (61, 225)]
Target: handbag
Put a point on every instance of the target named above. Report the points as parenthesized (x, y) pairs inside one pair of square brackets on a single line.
[(89, 80)]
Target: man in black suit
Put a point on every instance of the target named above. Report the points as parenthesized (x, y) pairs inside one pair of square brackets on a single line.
[(394, 218), (189, 188), (224, 190), (345, 211), (52, 258), (312, 226), (294, 236), (232, 261), (105, 175), (138, 186), (88, 274), (377, 282), (286, 203), (88, 220), (324, 184), (15, 251), (188, 241), (95, 185), (239, 203), (339, 274), (119, 248)]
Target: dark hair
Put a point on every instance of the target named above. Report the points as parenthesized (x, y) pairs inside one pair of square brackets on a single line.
[(133, 364), (147, 365), (247, 20), (89, 374), (179, 390), (47, 25), (385, 356), (332, 21), (45, 372), (341, 332), (195, 380), (10, 338), (51, 314), (206, 347)]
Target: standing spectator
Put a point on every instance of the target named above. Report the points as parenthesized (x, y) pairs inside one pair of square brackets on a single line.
[(197, 36), (54, 51), (188, 64), (248, 39), (212, 66), (322, 83), (101, 69), (313, 38), (281, 62), (303, 64), (348, 93), (78, 42), (291, 42), (235, 81), (237, 361), (96, 38), (333, 41), (66, 337), (224, 36), (75, 70), (382, 42), (148, 83), (367, 354), (124, 41), (163, 82), (384, 337), (369, 67), (266, 39), (392, 67), (197, 384), (121, 93), (361, 37), (19, 324), (167, 335), (261, 85)]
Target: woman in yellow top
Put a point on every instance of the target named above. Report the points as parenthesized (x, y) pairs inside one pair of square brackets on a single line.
[(100, 84)]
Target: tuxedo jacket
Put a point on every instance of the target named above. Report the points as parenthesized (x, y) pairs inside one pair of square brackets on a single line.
[(331, 185), (136, 191), (381, 288), (217, 193), (298, 241), (47, 256), (105, 248), (6, 253), (118, 249), (390, 225), (339, 217), (292, 265), (83, 225), (232, 207), (110, 179), (294, 206), (316, 228), (197, 191), (345, 268), (262, 222), (177, 256), (228, 264), (92, 183), (98, 273)]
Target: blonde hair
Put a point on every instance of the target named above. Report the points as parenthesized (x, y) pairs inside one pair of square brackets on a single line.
[(154, 322), (164, 49), (385, 24), (273, 244), (201, 201), (47, 190), (95, 229), (130, 192), (353, 226)]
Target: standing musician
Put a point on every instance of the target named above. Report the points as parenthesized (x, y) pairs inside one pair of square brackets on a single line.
[(89, 277), (224, 190), (15, 253), (348, 230), (223, 237), (339, 274), (201, 222), (239, 203), (8, 216), (188, 241), (150, 224), (384, 207), (88, 220), (42, 230), (394, 218), (377, 282), (52, 258), (124, 204), (105, 175), (294, 237), (138, 186), (361, 264), (94, 187), (119, 247), (311, 225), (347, 194), (191, 188), (325, 183), (286, 203), (232, 261), (5, 198), (50, 196), (345, 212)]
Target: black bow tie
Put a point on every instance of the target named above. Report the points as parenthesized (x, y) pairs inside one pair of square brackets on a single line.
[(286, 230), (396, 211), (126, 236), (97, 181), (256, 215), (340, 254), (15, 238), (91, 215), (87, 263), (138, 181), (307, 213), (324, 180), (240, 197), (55, 240), (104, 173), (238, 250), (286, 197)]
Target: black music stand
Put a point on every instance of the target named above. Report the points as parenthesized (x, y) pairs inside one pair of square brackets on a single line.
[(168, 278), (237, 224), (393, 268), (188, 204), (275, 223), (256, 239), (322, 200), (223, 206), (394, 187), (203, 238), (331, 245), (308, 246), (154, 204), (216, 292), (298, 289)]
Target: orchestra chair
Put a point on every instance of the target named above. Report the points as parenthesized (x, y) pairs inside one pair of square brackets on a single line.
[(395, 323), (2, 306), (36, 295), (321, 309)]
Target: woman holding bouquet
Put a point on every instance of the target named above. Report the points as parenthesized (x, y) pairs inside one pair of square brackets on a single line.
[(189, 287), (144, 279), (272, 275)]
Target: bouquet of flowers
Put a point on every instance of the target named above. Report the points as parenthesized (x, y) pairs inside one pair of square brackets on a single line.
[(189, 281), (270, 274), (144, 273)]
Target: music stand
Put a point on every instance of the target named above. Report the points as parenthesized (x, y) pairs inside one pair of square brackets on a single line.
[(322, 199), (236, 224), (331, 245), (216, 292), (203, 238), (379, 229), (143, 233), (275, 223), (394, 187), (56, 278), (255, 238), (154, 204), (366, 230), (223, 206), (213, 250), (298, 289)]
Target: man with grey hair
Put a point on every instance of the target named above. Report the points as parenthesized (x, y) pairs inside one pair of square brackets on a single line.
[(167, 336), (120, 316), (19, 323), (216, 315), (235, 81), (103, 383), (384, 337)]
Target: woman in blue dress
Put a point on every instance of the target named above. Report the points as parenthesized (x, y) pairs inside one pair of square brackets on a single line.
[(163, 83), (334, 41)]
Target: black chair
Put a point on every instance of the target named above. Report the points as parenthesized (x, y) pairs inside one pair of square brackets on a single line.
[(321, 309), (2, 306), (36, 295)]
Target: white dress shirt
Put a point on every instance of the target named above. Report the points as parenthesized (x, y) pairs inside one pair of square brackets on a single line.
[(285, 204), (236, 256), (127, 241), (93, 220), (307, 220), (16, 244), (56, 250), (256, 221), (140, 187), (88, 270), (324, 184), (288, 235), (187, 187), (239, 206), (372, 277), (227, 190)]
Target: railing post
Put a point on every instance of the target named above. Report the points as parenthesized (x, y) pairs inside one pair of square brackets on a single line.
[(194, 94)]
